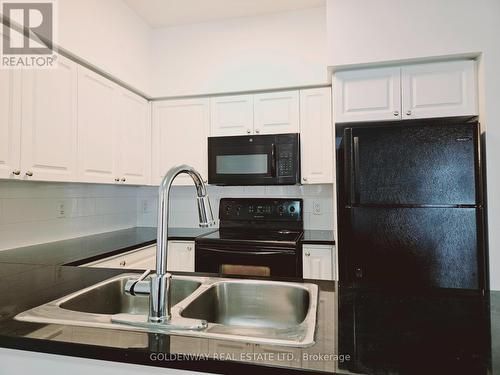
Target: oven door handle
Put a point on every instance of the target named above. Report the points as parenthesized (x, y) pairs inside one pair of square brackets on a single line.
[(237, 252), (273, 160)]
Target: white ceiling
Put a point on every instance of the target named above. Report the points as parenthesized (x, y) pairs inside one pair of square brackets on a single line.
[(163, 13)]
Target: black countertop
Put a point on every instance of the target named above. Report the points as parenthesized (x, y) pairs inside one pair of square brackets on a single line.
[(89, 248), (25, 286), (391, 331), (441, 331), (319, 237)]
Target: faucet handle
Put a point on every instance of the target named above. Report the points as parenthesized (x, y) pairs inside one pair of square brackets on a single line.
[(131, 284)]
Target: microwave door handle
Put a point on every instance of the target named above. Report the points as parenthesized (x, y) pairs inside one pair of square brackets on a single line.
[(238, 252), (273, 160)]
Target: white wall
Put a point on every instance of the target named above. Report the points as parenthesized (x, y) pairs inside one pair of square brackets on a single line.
[(251, 53), (366, 32), (109, 35), (183, 210), (29, 211)]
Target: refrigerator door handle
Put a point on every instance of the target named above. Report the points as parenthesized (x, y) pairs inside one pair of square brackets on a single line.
[(355, 176), (348, 171)]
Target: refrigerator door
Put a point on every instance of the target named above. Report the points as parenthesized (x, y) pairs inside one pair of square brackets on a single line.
[(414, 247), (425, 165)]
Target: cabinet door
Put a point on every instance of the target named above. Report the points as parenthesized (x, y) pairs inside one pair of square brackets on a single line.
[(180, 130), (439, 90), (231, 115), (134, 139), (367, 95), (10, 123), (49, 123), (316, 136), (317, 262), (276, 112), (180, 256), (96, 127), (143, 258)]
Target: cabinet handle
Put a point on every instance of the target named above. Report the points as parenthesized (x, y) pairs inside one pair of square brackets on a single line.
[(257, 131), (29, 173), (123, 263), (304, 179), (249, 131), (124, 179), (307, 254), (395, 113), (408, 113), (17, 172), (189, 248), (117, 179)]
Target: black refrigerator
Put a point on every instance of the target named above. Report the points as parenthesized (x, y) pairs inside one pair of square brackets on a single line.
[(411, 205)]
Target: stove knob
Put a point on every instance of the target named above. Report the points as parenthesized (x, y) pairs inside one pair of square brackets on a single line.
[(292, 209), (281, 209)]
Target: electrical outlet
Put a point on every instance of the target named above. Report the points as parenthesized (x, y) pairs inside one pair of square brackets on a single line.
[(317, 208), (61, 209), (145, 205)]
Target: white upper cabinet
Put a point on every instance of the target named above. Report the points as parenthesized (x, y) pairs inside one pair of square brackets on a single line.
[(97, 119), (10, 125), (180, 132), (266, 113), (49, 123), (316, 136), (367, 95), (231, 115), (133, 139), (439, 90), (276, 112)]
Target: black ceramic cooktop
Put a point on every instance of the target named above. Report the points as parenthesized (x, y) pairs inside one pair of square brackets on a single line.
[(251, 236)]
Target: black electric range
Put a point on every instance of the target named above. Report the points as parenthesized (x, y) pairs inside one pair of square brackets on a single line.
[(256, 237)]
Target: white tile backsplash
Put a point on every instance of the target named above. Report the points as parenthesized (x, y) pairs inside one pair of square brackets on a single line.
[(183, 210), (30, 211)]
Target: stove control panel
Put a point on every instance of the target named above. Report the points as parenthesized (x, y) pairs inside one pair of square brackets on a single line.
[(260, 209)]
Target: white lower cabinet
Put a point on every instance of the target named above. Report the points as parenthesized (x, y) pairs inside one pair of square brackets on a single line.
[(318, 262), (180, 258), (143, 258)]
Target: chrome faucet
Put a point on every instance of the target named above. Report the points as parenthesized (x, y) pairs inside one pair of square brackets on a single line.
[(158, 286), (160, 282)]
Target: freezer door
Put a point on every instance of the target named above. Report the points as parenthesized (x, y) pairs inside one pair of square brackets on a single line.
[(418, 247), (428, 165)]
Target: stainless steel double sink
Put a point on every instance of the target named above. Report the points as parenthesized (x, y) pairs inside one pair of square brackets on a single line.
[(252, 311)]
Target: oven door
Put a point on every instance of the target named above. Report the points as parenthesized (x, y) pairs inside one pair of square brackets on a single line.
[(242, 160), (247, 260)]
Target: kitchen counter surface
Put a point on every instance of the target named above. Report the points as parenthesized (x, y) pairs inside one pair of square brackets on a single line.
[(25, 286), (319, 237), (439, 331), (89, 248)]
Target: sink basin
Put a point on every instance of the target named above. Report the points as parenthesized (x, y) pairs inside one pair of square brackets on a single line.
[(108, 298), (250, 311), (250, 305)]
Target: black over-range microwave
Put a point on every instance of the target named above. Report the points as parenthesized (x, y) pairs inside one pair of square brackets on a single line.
[(254, 160)]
